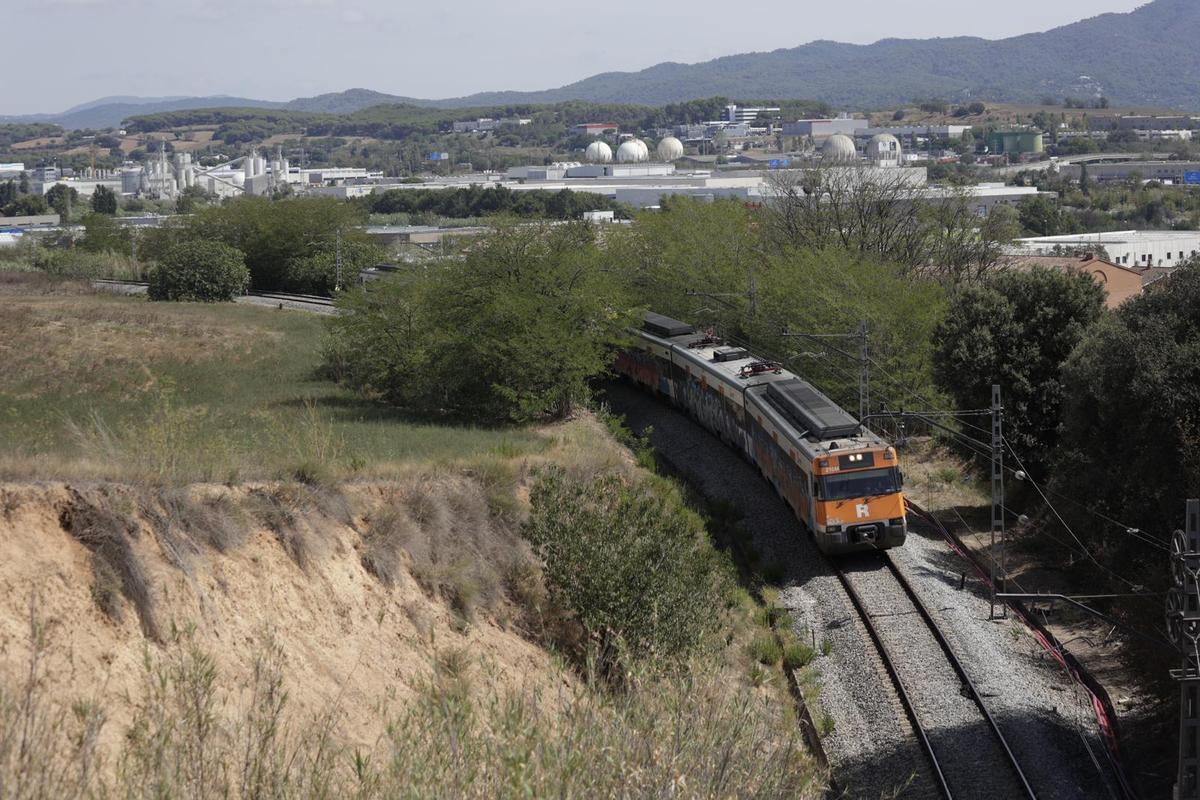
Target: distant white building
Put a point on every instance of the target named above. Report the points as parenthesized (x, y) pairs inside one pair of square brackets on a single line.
[(746, 114), (819, 129), (1126, 248)]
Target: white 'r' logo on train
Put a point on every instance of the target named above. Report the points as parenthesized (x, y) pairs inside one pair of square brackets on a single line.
[(862, 510)]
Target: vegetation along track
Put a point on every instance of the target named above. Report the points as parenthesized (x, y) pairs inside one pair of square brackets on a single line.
[(968, 753)]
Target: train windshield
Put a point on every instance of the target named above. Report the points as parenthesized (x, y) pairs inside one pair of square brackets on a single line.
[(868, 483)]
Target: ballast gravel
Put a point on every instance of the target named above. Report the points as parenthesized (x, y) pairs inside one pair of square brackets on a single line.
[(872, 749)]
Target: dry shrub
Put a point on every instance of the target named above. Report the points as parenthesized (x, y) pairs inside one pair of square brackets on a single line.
[(445, 532), (212, 521), (281, 509), (109, 535)]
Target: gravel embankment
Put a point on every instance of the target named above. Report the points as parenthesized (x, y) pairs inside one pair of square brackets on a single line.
[(1048, 721), (872, 749)]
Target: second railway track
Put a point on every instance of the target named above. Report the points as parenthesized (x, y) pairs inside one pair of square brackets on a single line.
[(967, 753)]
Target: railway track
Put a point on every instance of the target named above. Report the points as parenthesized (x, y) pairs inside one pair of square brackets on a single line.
[(316, 301), (966, 759)]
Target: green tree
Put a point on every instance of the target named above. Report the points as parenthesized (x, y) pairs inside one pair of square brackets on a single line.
[(104, 201), (8, 193), (62, 199), (199, 271), (1017, 330), (1041, 216), (279, 238), (189, 199), (512, 331), (27, 205), (103, 234)]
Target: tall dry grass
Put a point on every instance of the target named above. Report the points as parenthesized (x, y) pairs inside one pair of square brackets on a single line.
[(199, 734)]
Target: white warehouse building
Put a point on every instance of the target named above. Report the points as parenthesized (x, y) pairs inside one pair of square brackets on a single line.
[(1127, 248)]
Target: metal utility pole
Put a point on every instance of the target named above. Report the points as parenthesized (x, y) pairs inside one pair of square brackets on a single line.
[(1183, 625), (337, 281), (997, 499), (864, 373)]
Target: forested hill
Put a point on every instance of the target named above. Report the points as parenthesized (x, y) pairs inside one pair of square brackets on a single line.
[(1145, 57)]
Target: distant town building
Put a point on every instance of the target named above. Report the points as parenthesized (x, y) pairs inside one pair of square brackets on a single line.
[(11, 170), (1144, 122), (595, 128), (1136, 249), (1120, 282), (747, 114)]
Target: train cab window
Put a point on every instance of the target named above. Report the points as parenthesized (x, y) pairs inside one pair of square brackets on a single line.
[(866, 483)]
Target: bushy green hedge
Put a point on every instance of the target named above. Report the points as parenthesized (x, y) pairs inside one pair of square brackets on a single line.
[(201, 271)]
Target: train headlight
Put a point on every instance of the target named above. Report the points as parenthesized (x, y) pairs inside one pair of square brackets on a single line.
[(833, 529), (896, 521)]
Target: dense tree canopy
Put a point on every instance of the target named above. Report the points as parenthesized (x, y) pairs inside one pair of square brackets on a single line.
[(1131, 417), (1016, 330), (512, 331)]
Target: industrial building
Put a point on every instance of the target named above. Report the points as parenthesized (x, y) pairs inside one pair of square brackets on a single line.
[(1139, 249), (821, 129), (1016, 142), (1180, 173)]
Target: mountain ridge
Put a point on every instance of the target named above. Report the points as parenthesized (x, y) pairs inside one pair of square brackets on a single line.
[(1099, 55)]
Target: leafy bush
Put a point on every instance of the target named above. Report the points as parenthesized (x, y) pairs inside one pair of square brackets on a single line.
[(200, 271), (629, 559)]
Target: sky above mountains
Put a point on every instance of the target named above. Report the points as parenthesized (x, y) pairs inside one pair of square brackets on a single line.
[(280, 49)]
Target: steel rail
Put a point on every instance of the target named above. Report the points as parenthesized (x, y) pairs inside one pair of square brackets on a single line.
[(1102, 704), (901, 691), (976, 696)]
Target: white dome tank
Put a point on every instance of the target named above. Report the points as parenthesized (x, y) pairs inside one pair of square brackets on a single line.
[(884, 150), (598, 153), (670, 149), (632, 150), (839, 148)]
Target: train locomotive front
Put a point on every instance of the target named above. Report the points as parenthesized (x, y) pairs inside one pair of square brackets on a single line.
[(841, 480)]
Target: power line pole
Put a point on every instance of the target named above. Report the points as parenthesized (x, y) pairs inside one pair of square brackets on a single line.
[(997, 497), (1183, 625), (337, 281), (864, 373)]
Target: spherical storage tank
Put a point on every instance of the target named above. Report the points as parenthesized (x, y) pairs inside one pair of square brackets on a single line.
[(884, 150), (598, 153), (670, 149), (839, 148), (632, 150)]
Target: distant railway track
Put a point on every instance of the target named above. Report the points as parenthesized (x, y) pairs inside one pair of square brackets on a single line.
[(960, 765), (312, 300)]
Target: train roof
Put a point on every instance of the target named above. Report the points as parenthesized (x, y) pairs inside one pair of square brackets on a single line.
[(814, 418)]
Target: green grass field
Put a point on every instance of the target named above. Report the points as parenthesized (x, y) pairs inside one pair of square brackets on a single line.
[(105, 387)]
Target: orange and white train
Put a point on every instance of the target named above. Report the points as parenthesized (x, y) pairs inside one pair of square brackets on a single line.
[(842, 481)]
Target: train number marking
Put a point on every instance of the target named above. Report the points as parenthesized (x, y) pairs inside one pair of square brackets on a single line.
[(862, 511)]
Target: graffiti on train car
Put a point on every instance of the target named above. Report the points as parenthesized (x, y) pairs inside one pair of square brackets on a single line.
[(791, 481), (642, 367), (713, 411)]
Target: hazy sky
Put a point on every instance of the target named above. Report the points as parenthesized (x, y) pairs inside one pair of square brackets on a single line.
[(72, 51)]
